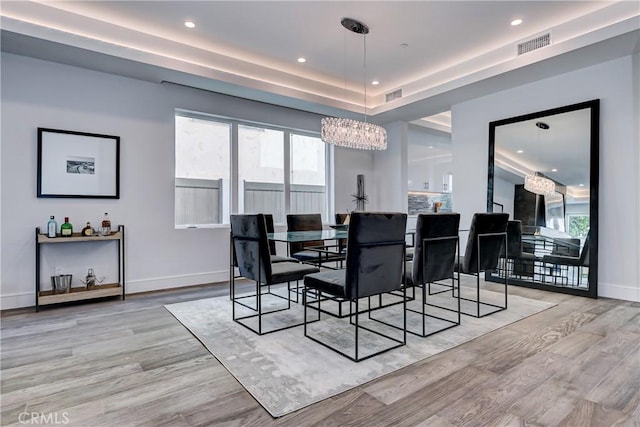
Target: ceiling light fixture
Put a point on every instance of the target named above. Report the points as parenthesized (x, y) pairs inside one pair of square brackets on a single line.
[(516, 22), (375, 83), (536, 183), (353, 133), (302, 60), (520, 151), (189, 24), (539, 185)]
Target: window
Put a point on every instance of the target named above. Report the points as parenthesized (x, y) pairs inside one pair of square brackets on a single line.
[(279, 171), (308, 190), (578, 226), (261, 171), (202, 171)]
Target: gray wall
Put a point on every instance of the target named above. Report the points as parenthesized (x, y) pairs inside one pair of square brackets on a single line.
[(36, 94), (615, 84)]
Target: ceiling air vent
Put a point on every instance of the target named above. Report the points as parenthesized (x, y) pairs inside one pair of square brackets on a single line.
[(394, 95), (533, 44)]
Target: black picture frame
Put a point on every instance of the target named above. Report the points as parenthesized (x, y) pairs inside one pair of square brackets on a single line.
[(78, 165)]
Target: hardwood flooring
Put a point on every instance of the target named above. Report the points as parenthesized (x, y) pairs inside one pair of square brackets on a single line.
[(115, 363)]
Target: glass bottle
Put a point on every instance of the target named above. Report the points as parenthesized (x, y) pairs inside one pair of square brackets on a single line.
[(66, 229), (87, 230), (52, 227), (106, 224)]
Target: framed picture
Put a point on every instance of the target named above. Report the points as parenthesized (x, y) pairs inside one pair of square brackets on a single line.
[(78, 164)]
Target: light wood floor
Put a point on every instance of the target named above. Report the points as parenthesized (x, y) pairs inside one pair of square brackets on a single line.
[(115, 363)]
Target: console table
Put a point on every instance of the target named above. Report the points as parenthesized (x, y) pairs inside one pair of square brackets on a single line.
[(81, 293)]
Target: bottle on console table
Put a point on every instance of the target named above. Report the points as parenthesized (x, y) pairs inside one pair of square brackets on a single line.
[(87, 230), (66, 229), (106, 224), (52, 227)]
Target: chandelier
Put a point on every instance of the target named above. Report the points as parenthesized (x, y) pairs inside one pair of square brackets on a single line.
[(539, 185), (353, 133), (536, 183)]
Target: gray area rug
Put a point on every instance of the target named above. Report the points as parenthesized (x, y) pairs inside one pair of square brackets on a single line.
[(284, 371)]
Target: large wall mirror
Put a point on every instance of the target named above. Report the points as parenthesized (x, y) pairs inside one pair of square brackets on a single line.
[(543, 170)]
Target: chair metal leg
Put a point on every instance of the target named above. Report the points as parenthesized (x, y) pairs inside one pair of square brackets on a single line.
[(478, 301), (357, 358), (232, 295), (259, 302)]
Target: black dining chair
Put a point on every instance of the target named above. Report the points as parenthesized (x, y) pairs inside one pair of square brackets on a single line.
[(375, 265), (487, 236), (299, 251), (566, 246), (436, 248), (515, 261), (340, 219), (249, 236), (268, 218), (577, 263)]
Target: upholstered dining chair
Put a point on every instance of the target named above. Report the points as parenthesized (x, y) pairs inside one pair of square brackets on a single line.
[(268, 218), (375, 265), (578, 263), (566, 246), (308, 222), (516, 262), (249, 236), (436, 247), (487, 236), (340, 219)]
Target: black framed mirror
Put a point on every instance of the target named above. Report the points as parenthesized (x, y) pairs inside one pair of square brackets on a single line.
[(544, 170)]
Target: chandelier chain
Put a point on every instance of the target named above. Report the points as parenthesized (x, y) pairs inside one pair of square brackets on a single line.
[(536, 182), (351, 133), (364, 68)]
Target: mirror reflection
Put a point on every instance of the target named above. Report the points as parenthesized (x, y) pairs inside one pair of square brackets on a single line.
[(539, 172)]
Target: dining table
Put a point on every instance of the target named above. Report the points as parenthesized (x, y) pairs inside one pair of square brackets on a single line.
[(307, 236)]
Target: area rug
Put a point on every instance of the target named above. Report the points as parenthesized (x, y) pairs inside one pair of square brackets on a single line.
[(284, 371)]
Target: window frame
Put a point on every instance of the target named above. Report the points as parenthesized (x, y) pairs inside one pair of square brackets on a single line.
[(204, 117), (233, 197)]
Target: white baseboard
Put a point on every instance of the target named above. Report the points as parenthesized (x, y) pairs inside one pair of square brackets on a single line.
[(170, 282), (17, 300), (28, 299), (627, 293)]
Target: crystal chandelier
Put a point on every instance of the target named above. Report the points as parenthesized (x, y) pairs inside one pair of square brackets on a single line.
[(539, 185), (536, 183), (353, 133)]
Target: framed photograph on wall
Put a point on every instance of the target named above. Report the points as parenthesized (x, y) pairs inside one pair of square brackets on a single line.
[(78, 164)]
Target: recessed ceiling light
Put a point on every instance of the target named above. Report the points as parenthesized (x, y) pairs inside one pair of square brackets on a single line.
[(580, 185), (516, 22), (189, 24), (554, 170), (520, 151), (302, 59), (431, 146), (375, 82)]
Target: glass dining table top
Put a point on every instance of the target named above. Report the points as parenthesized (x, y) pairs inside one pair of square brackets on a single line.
[(307, 236)]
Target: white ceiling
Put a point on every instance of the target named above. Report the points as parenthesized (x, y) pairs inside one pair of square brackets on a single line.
[(249, 48)]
